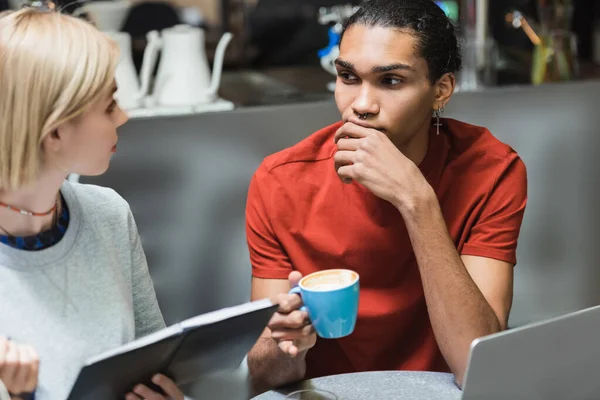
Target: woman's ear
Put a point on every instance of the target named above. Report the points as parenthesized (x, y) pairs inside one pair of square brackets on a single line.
[(51, 141), (444, 88), (54, 147)]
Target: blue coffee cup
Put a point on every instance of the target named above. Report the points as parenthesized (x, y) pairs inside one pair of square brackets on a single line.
[(331, 299)]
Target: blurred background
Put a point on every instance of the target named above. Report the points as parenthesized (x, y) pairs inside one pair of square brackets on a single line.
[(283, 49), (214, 86)]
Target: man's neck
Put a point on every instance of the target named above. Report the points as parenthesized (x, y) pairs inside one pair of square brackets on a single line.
[(416, 148), (38, 197)]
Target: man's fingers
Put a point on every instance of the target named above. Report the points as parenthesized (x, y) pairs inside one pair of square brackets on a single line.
[(344, 157), (288, 303), (288, 348), (348, 144), (295, 320), (350, 130), (347, 173), (293, 334), (294, 278), (293, 347)]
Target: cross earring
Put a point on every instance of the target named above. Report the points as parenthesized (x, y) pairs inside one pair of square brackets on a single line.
[(437, 113)]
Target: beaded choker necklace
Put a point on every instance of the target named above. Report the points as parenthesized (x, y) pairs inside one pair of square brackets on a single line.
[(30, 213)]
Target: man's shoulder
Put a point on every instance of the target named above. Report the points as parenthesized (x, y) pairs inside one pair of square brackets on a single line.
[(317, 147), (477, 156), (476, 144)]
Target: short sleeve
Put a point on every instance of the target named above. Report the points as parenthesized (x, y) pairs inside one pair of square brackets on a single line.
[(496, 231), (269, 259)]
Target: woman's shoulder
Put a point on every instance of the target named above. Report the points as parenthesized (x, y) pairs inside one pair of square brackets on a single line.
[(95, 200)]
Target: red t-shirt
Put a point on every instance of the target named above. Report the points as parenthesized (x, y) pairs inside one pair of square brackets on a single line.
[(300, 216)]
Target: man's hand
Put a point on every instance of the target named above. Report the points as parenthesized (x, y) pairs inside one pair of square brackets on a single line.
[(289, 326), (167, 385), (19, 366), (370, 158)]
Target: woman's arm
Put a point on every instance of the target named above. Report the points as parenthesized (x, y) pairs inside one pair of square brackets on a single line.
[(148, 317)]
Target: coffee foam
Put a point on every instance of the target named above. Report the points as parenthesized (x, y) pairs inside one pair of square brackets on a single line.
[(329, 280)]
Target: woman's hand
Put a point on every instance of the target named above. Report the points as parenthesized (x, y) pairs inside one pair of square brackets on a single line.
[(19, 366), (167, 385)]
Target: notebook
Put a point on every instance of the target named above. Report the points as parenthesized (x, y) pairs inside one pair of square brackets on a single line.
[(185, 352)]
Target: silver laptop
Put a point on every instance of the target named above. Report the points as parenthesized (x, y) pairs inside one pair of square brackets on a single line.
[(554, 359)]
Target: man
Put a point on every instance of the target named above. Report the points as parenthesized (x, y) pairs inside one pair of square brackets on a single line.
[(427, 211)]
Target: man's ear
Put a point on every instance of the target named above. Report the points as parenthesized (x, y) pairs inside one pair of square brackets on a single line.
[(444, 88)]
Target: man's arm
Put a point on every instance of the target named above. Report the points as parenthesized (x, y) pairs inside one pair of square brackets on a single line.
[(466, 297), (275, 363), (278, 356)]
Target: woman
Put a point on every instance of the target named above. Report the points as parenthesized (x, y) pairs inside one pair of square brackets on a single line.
[(73, 276)]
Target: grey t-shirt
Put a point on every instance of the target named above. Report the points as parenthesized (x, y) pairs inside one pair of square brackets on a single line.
[(89, 293)]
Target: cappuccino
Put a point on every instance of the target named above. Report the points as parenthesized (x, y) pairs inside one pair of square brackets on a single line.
[(323, 287), (329, 280)]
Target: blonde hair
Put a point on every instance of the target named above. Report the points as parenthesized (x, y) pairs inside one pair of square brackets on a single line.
[(52, 67)]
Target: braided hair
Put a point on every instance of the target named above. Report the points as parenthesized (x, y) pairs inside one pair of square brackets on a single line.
[(433, 30)]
